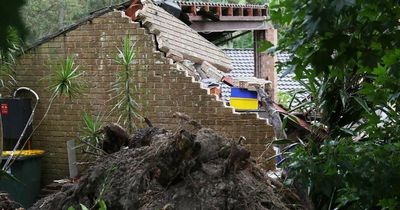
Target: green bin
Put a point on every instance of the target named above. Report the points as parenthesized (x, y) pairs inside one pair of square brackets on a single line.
[(27, 169)]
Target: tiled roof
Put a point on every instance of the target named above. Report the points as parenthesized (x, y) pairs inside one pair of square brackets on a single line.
[(243, 66), (286, 82), (174, 36), (242, 62)]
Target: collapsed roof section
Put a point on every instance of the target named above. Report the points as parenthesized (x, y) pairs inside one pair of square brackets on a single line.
[(177, 39)]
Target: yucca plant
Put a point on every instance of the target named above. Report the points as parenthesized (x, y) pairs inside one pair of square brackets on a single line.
[(63, 82), (65, 79), (92, 126), (126, 105), (92, 138)]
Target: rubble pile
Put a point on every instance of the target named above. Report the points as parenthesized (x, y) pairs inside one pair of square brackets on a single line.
[(181, 169)]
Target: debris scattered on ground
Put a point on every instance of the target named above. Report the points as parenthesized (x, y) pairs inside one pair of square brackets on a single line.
[(7, 204), (180, 169)]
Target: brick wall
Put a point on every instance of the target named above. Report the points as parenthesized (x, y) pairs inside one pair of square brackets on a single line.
[(162, 89), (264, 62)]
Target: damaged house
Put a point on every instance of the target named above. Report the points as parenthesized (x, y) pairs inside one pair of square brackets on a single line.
[(174, 52)]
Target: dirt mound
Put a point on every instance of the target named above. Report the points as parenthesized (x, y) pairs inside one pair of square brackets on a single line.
[(173, 170)]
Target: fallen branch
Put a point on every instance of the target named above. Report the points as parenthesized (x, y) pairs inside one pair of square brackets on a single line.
[(273, 115)]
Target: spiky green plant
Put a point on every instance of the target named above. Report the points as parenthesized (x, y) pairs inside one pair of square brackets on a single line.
[(126, 106), (63, 82), (92, 126), (92, 139)]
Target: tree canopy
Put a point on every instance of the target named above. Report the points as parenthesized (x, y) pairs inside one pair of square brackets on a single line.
[(347, 52), (11, 24)]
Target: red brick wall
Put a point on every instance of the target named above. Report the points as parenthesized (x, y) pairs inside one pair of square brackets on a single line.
[(264, 62), (163, 89)]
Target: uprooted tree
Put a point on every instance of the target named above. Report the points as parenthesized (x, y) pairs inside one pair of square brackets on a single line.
[(189, 167), (347, 55)]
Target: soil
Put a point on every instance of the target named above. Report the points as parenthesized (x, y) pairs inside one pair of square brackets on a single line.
[(174, 170)]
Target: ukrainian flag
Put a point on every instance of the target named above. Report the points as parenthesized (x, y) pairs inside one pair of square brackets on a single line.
[(244, 99)]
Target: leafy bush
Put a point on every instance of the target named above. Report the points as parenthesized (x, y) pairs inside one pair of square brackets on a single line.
[(284, 98), (347, 52), (350, 175)]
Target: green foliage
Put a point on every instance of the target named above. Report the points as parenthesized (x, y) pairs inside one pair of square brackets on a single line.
[(284, 99), (126, 105), (347, 55), (43, 17), (264, 45), (354, 175), (11, 20), (245, 41), (64, 82), (7, 60), (12, 31), (65, 79), (14, 46), (101, 203), (83, 207), (92, 138), (92, 126)]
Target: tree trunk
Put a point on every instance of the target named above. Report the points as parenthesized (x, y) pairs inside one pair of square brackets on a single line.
[(273, 115)]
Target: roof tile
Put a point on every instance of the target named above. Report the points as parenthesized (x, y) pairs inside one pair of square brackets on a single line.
[(243, 66), (175, 35)]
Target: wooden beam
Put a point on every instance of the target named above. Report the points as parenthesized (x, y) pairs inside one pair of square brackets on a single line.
[(230, 11), (264, 12), (193, 10), (229, 26), (219, 11), (249, 12), (240, 11), (259, 12), (230, 19)]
